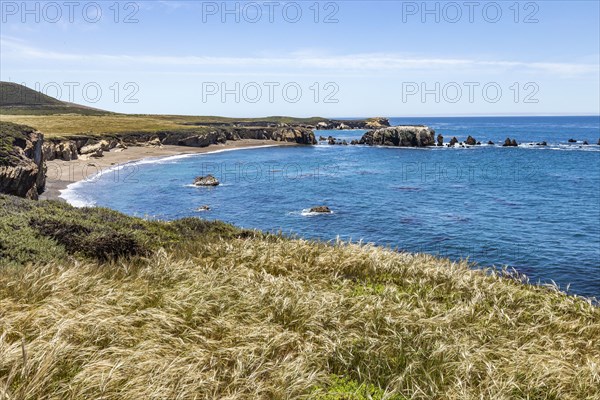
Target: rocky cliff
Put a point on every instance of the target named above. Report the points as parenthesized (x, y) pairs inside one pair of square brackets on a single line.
[(77, 146), (403, 136), (22, 167)]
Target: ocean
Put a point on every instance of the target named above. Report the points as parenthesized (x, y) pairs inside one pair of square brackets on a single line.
[(532, 208)]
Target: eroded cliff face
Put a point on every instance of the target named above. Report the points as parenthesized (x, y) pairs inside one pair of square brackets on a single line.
[(22, 164), (77, 147), (402, 136)]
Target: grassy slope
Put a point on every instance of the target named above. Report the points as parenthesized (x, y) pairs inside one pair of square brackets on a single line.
[(204, 310), (57, 119), (65, 125), (19, 99)]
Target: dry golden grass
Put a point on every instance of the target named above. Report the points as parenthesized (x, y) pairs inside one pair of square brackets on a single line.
[(73, 124), (64, 125), (279, 319)]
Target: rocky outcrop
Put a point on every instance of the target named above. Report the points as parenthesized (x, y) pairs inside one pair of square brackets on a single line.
[(94, 148), (440, 140), (201, 138), (321, 210), (192, 139), (22, 164), (81, 146), (471, 141), (510, 143), (207, 180), (62, 150), (369, 123), (453, 141), (403, 136)]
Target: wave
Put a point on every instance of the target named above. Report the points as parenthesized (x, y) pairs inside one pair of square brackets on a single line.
[(74, 198), (307, 213)]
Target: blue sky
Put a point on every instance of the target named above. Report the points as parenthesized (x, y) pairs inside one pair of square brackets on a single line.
[(353, 58)]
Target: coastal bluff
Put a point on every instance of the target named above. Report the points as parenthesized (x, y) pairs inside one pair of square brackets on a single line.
[(22, 167), (400, 136)]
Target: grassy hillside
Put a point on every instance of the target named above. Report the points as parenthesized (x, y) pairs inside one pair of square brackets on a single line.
[(94, 304), (55, 126), (19, 99)]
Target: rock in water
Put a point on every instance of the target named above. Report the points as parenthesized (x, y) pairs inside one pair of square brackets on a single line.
[(453, 141), (572, 141), (203, 208), (471, 141), (207, 180), (440, 140), (321, 209), (585, 142), (402, 136), (490, 143), (510, 143)]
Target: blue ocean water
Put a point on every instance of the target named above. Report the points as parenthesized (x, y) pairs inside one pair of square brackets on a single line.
[(536, 209)]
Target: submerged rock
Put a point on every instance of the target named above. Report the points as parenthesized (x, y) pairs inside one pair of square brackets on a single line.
[(321, 209), (203, 208), (207, 180)]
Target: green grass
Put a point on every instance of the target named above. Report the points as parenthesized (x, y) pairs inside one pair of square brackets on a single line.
[(207, 310)]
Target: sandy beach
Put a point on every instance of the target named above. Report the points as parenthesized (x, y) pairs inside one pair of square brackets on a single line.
[(63, 173)]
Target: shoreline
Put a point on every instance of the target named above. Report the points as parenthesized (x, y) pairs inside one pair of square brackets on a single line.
[(61, 174)]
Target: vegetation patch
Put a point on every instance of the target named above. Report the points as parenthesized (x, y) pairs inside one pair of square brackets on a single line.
[(211, 311), (12, 135)]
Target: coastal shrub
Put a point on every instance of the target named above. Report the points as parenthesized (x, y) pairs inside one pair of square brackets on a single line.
[(102, 243)]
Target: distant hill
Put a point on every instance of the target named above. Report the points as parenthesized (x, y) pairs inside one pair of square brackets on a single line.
[(19, 99)]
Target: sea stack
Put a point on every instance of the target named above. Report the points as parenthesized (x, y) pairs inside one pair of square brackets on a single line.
[(207, 180), (401, 136)]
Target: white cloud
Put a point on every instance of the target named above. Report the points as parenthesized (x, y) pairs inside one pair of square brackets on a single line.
[(12, 48)]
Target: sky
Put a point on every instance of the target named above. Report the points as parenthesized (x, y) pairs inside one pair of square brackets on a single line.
[(308, 58)]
